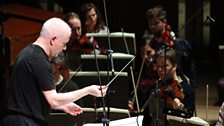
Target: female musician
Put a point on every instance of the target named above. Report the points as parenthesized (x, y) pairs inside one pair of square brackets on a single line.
[(91, 18), (177, 93)]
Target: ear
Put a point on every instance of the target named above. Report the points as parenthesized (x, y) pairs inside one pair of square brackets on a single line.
[(52, 40)]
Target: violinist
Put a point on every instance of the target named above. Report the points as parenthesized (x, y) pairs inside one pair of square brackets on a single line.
[(147, 77), (73, 20), (177, 93)]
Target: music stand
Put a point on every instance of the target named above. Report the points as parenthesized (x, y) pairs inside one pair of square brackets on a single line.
[(117, 41), (193, 121), (132, 121)]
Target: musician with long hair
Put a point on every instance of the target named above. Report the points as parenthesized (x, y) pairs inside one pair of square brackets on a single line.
[(92, 21)]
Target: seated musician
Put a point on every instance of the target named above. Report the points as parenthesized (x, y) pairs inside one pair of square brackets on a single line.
[(177, 97), (178, 93), (78, 42), (92, 22)]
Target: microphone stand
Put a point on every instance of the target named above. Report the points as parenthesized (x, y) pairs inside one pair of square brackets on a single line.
[(165, 81), (105, 121)]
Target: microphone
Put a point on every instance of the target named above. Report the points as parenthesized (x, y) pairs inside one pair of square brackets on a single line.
[(211, 19)]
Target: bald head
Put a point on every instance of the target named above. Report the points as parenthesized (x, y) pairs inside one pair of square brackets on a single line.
[(54, 36), (54, 27)]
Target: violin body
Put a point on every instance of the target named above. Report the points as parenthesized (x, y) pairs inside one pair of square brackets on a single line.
[(87, 45), (171, 91)]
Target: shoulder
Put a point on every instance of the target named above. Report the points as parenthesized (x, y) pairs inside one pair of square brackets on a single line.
[(104, 29), (182, 42)]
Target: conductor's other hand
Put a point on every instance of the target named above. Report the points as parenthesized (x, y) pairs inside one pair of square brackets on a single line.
[(98, 91), (72, 109)]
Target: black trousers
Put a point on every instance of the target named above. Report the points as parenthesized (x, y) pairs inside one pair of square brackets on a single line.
[(17, 120)]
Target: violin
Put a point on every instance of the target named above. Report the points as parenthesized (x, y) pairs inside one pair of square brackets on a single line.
[(171, 91), (87, 45), (166, 35)]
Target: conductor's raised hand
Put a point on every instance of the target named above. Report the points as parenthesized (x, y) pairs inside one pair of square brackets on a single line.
[(98, 91)]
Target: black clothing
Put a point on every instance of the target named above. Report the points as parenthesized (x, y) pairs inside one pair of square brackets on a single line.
[(18, 120), (189, 98), (32, 73)]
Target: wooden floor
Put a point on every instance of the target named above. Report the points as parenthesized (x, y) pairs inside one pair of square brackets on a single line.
[(206, 91)]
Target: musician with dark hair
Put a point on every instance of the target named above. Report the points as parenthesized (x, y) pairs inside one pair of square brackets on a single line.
[(171, 94), (91, 18)]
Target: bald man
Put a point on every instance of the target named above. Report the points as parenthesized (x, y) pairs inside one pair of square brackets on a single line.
[(32, 91)]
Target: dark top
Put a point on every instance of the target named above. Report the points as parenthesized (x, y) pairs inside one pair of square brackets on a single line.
[(188, 101), (67, 86), (189, 98), (31, 74)]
